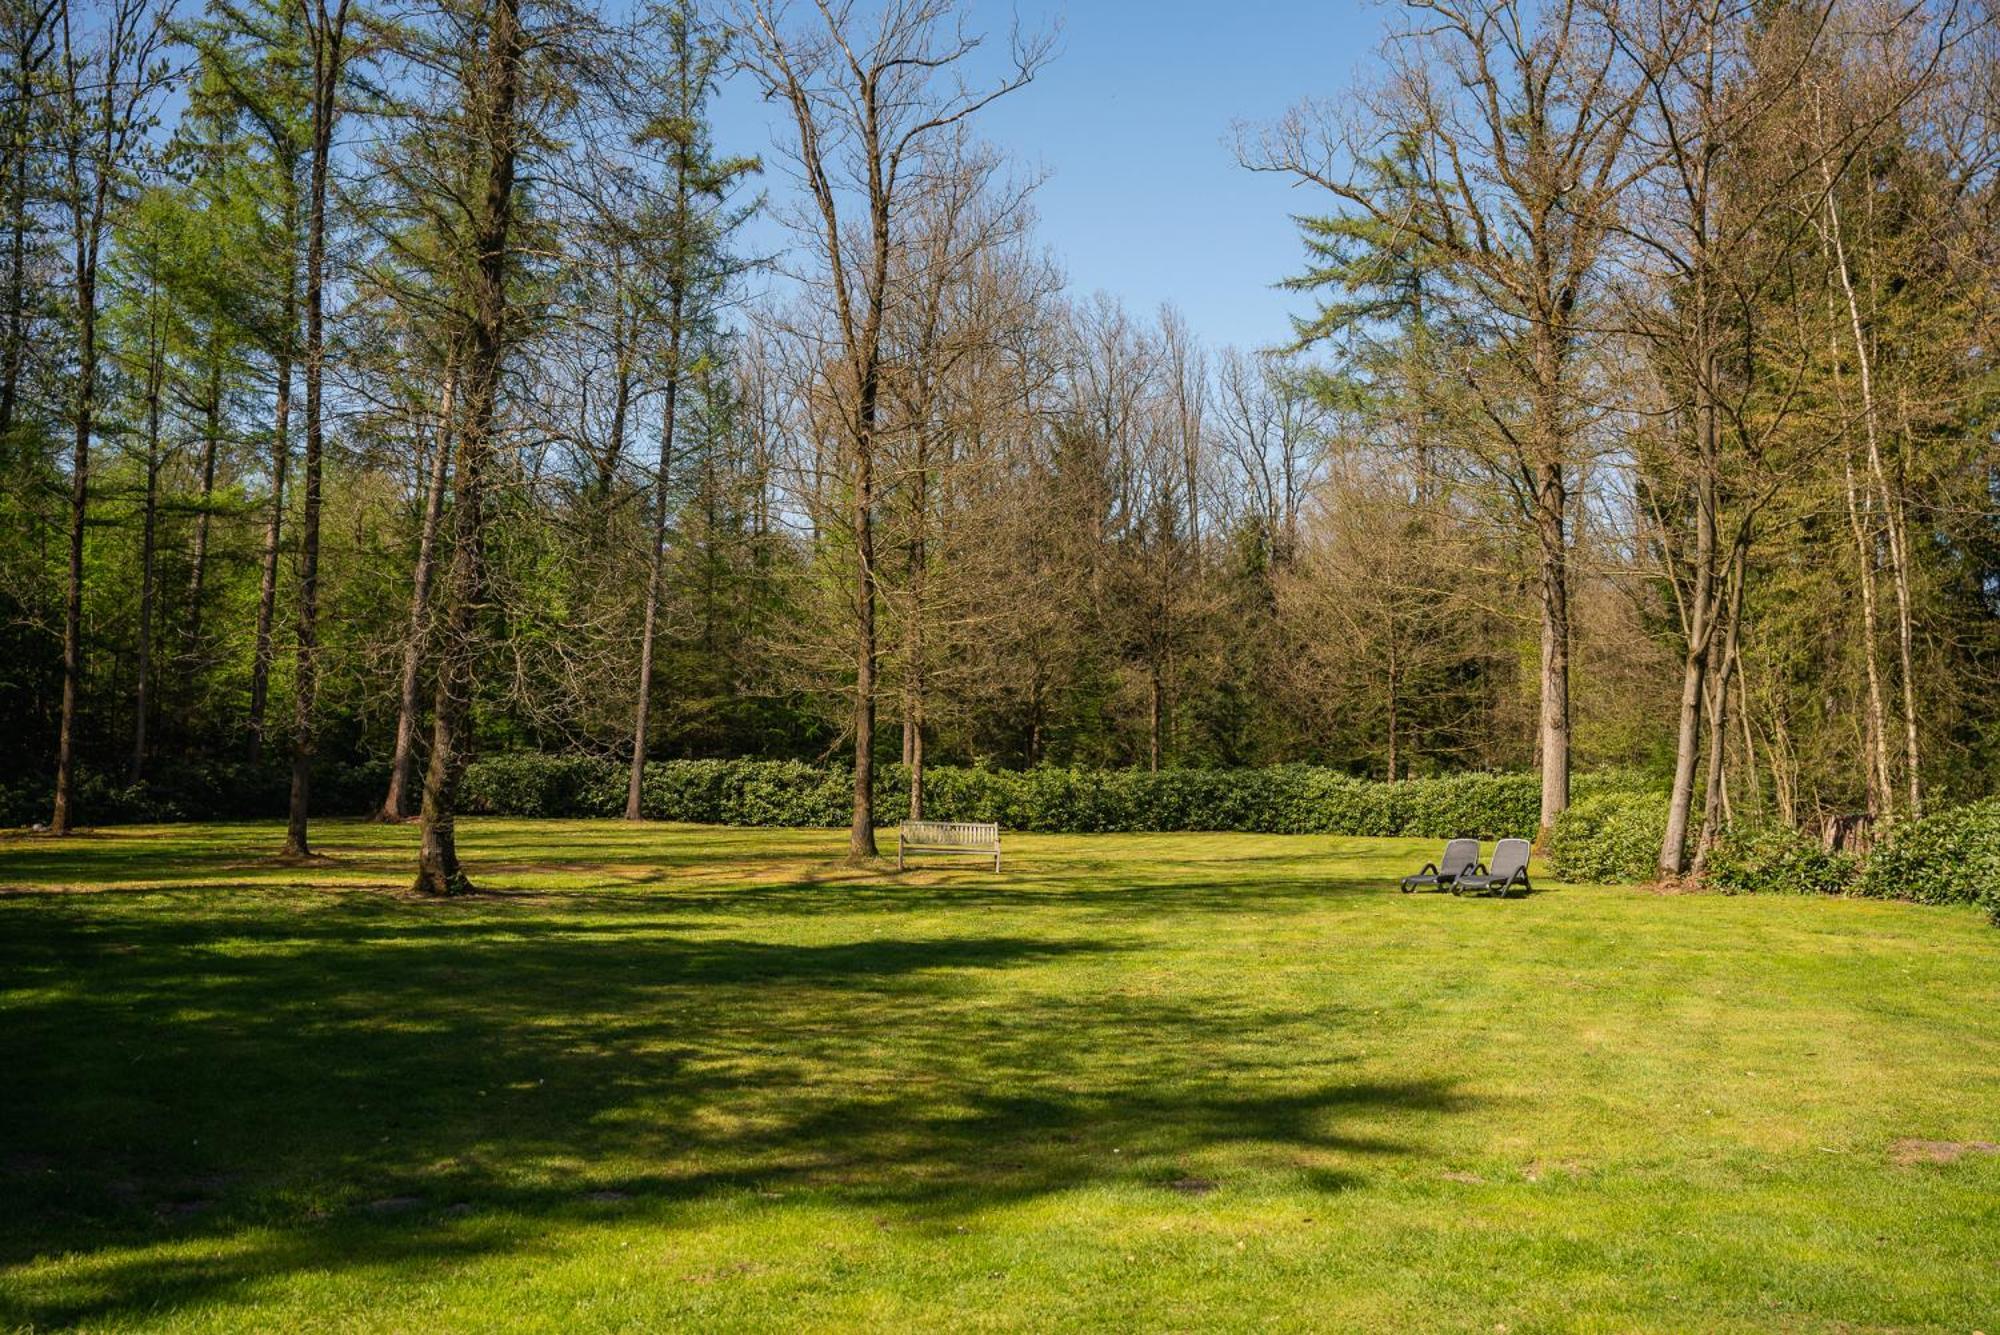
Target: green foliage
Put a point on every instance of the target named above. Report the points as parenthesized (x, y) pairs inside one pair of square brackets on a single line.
[(1286, 799), (1948, 857), (1610, 836), (1772, 859), (196, 790)]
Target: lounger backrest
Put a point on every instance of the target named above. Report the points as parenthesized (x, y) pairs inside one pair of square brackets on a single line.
[(1509, 856), (1460, 855)]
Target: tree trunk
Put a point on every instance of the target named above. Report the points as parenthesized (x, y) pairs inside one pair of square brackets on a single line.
[(327, 44), (1722, 656), (1702, 595), (1551, 502), (1881, 792), (913, 687), (27, 61), (438, 869), (1892, 527), (861, 831), (84, 422), (148, 533), (263, 652), (655, 575), (198, 558), (401, 774)]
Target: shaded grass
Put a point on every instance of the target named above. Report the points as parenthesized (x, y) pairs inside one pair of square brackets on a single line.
[(668, 1075)]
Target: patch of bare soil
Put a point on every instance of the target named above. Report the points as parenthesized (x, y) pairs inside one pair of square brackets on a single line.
[(394, 1204), (1192, 1186), (1910, 1150)]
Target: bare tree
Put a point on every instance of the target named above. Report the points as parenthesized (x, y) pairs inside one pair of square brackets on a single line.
[(868, 101), (1518, 116)]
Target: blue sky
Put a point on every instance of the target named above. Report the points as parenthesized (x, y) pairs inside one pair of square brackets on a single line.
[(1132, 124)]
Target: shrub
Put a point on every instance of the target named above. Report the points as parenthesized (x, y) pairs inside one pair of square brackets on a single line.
[(1289, 799), (1609, 836), (528, 784), (1948, 857), (1285, 799), (1752, 859), (195, 790)]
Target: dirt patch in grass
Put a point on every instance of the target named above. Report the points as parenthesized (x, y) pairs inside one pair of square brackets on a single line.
[(1910, 1150)]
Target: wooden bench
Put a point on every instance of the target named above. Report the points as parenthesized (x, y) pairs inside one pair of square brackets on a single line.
[(914, 837)]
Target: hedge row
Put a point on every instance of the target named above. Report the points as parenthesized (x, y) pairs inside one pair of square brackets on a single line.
[(205, 790), (1289, 799), (1948, 857), (1292, 799)]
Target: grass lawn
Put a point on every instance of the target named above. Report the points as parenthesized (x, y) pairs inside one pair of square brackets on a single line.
[(711, 1078)]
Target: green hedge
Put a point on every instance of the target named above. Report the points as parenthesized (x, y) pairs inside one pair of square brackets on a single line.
[(1752, 859), (1610, 836), (196, 790), (1948, 857), (1290, 799)]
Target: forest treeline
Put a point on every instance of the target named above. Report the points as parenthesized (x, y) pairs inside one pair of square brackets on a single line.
[(399, 383)]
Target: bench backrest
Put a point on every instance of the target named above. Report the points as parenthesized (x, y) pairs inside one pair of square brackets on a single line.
[(951, 833)]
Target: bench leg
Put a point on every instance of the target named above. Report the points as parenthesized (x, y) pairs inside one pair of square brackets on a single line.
[(899, 855), (996, 860)]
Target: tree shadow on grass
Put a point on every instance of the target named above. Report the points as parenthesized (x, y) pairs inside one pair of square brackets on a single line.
[(313, 1083)]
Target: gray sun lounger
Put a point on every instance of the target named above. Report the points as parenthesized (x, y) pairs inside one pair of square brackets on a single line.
[(1508, 870), (1460, 857)]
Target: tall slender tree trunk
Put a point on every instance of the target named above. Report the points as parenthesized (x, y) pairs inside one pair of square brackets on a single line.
[(89, 234), (655, 572), (861, 830), (148, 533), (263, 652), (1551, 505), (28, 60), (1702, 597), (913, 685), (211, 445), (1880, 790), (438, 869), (1753, 783), (1722, 661), (327, 44), (402, 774), (1892, 525), (1784, 768)]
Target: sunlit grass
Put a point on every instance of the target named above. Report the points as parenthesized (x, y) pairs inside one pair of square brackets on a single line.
[(666, 1075)]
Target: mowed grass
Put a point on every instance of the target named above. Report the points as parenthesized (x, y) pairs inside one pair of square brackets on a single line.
[(671, 1076)]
